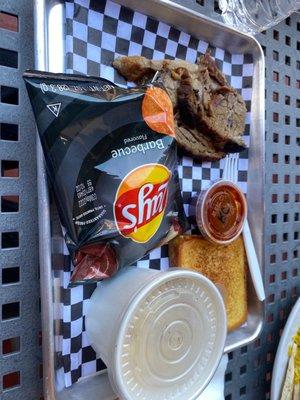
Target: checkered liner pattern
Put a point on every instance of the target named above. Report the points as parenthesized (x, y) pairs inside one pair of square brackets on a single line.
[(97, 33)]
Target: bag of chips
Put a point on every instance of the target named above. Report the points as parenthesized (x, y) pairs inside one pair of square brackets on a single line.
[(111, 157)]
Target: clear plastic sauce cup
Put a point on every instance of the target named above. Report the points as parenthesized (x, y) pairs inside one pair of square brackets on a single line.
[(221, 211)]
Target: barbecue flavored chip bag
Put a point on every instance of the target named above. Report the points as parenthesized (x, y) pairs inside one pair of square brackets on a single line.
[(111, 157)]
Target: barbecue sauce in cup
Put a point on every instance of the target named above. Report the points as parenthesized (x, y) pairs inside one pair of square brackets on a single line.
[(221, 211)]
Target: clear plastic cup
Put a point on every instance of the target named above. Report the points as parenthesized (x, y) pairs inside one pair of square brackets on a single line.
[(254, 16), (161, 334), (221, 211)]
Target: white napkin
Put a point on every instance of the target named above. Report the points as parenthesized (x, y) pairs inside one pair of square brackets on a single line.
[(215, 389)]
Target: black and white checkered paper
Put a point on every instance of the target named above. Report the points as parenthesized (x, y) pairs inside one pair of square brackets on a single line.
[(98, 31)]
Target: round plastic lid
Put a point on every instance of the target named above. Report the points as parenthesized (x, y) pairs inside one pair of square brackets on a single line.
[(171, 338)]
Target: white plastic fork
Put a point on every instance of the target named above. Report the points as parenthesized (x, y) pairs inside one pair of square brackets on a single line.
[(230, 173)]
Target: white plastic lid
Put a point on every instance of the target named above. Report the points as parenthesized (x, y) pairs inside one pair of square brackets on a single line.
[(171, 338)]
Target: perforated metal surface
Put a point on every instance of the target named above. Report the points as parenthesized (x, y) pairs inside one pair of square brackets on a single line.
[(250, 368), (19, 287)]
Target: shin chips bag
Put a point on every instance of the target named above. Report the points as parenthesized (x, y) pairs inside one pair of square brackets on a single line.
[(111, 156)]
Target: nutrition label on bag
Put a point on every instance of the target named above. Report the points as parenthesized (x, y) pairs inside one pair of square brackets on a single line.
[(86, 194)]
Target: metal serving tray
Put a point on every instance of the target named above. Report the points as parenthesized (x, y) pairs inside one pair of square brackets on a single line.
[(49, 55)]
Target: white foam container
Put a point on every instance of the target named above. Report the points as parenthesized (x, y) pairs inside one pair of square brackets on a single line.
[(161, 334)]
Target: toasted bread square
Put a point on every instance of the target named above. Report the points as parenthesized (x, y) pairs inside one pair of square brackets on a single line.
[(225, 265)]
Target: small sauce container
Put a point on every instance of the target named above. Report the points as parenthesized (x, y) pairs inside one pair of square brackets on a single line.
[(221, 211)]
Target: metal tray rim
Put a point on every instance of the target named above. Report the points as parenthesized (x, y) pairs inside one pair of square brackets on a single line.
[(44, 60)]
